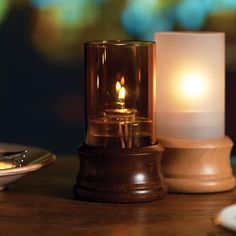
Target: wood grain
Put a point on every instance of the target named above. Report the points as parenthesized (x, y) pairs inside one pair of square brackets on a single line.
[(198, 166), (42, 204)]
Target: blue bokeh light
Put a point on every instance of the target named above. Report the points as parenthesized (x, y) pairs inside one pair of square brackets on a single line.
[(135, 19), (221, 5), (190, 14), (142, 18)]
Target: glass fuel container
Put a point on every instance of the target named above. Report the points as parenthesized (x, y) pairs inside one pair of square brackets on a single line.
[(120, 160), (120, 94)]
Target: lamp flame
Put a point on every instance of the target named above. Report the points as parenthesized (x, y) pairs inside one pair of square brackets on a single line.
[(121, 95), (120, 89), (118, 86)]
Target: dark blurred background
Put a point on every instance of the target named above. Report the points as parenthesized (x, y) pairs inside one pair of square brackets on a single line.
[(41, 58)]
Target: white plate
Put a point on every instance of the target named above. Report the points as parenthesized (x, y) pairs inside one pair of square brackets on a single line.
[(227, 217), (32, 160)]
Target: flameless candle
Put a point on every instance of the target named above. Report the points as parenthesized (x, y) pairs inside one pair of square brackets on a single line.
[(190, 111), (190, 85)]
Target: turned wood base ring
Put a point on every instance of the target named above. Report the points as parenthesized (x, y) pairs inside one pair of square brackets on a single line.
[(198, 166), (120, 175)]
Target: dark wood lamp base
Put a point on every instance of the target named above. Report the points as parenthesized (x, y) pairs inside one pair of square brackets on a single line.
[(120, 175)]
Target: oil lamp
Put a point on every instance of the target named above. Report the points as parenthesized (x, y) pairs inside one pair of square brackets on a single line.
[(120, 159), (191, 110)]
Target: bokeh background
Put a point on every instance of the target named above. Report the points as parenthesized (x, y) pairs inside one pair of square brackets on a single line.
[(41, 58)]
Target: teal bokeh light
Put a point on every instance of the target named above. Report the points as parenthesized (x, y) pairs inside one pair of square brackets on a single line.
[(136, 19), (142, 18), (190, 14), (222, 5)]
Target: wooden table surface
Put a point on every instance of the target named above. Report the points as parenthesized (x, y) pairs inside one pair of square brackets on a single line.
[(42, 203)]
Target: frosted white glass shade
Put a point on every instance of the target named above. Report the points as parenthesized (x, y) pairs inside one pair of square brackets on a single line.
[(190, 85)]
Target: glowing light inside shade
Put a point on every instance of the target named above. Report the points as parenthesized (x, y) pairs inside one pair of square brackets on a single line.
[(192, 85)]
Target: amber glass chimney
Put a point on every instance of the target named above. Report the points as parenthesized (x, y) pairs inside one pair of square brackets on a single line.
[(120, 94), (120, 124)]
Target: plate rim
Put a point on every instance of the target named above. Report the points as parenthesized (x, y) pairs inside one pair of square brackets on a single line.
[(48, 158)]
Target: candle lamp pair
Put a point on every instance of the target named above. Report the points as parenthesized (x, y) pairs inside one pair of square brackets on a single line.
[(133, 111)]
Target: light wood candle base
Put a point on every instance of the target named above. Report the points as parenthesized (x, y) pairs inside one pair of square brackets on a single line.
[(198, 166)]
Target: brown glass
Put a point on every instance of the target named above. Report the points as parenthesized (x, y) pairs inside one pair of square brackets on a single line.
[(120, 93)]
